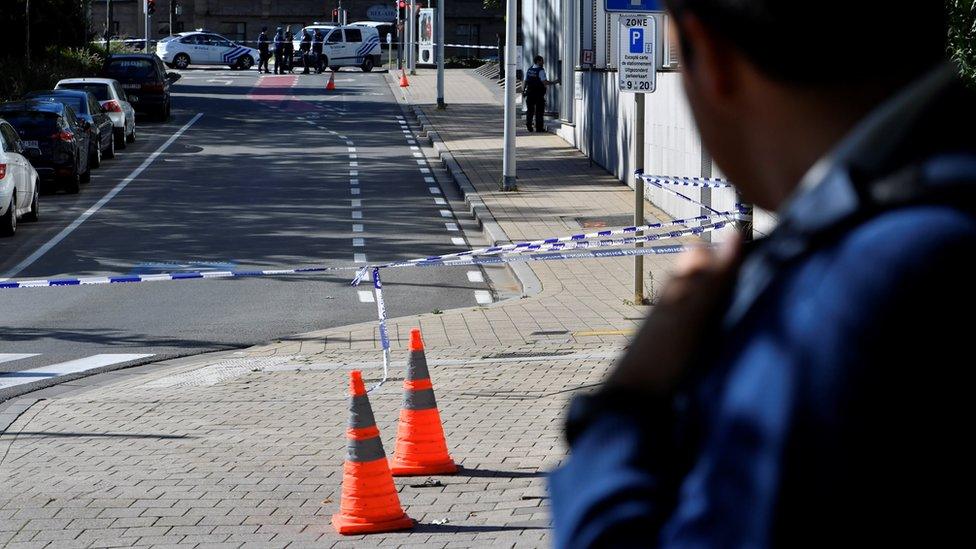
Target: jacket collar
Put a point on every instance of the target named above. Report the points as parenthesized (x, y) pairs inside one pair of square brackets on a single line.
[(828, 195)]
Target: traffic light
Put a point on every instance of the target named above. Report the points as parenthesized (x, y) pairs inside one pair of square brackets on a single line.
[(335, 14), (150, 6)]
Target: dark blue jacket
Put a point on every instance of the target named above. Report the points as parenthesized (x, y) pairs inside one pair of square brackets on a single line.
[(833, 406)]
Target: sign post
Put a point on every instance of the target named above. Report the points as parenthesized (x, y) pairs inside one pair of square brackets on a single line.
[(637, 73)]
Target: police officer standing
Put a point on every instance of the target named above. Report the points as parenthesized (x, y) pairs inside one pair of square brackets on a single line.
[(289, 49), (279, 50), (317, 50), (305, 47), (263, 50), (535, 94)]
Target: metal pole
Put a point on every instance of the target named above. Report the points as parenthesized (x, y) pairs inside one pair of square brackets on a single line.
[(108, 26), (744, 222), (639, 298), (508, 157), (400, 32), (411, 47), (145, 10), (440, 55)]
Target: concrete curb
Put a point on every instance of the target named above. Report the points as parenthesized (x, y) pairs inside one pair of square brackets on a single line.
[(492, 230)]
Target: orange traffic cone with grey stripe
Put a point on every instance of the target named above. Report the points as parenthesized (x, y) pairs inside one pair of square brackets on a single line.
[(330, 86), (369, 500), (403, 79), (420, 445)]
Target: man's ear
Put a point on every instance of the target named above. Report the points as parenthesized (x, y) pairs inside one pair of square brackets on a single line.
[(709, 60)]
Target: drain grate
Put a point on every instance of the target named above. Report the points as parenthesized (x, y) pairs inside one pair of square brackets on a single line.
[(527, 355), (550, 333)]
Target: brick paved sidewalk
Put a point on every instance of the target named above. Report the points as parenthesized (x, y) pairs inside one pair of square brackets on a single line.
[(248, 452)]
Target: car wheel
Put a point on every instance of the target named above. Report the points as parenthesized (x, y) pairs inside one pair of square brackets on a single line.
[(35, 210), (181, 61), (131, 138), (368, 64), (95, 158), (119, 138), (245, 62), (110, 153), (72, 184), (8, 223)]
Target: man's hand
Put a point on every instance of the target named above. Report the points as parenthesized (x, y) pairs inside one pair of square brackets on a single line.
[(682, 321)]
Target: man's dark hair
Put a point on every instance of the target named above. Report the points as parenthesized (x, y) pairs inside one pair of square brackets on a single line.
[(538, 60), (823, 42)]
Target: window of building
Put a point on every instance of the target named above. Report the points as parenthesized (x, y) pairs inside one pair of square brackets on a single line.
[(235, 30)]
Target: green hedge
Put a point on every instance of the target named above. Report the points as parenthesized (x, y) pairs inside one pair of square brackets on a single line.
[(43, 73), (962, 36)]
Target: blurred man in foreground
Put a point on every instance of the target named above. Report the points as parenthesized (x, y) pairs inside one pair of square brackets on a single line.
[(807, 391)]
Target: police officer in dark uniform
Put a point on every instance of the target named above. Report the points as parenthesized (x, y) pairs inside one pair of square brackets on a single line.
[(289, 50), (305, 47), (279, 50), (535, 95), (317, 50), (263, 50)]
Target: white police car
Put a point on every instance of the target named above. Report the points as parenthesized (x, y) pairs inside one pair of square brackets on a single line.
[(204, 48), (345, 46)]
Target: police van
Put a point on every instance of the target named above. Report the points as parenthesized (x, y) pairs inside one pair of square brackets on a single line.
[(345, 45), (204, 48)]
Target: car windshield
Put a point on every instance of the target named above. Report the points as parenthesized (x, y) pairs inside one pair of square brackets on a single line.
[(76, 103), (129, 68), (100, 91), (31, 122)]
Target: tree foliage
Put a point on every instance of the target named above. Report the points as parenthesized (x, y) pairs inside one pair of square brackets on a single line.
[(962, 36)]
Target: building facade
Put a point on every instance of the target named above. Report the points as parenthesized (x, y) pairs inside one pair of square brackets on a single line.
[(465, 21)]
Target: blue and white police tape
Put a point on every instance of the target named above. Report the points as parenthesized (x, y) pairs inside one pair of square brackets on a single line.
[(536, 245), (384, 336), (706, 182), (525, 256), (728, 215), (128, 279), (473, 46), (445, 260)]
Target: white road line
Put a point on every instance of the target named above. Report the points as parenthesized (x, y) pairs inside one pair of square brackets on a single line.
[(353, 173), (439, 201), (356, 214), (483, 297), (359, 258), (354, 181), (446, 213), (357, 228), (421, 162), (411, 142), (365, 296), (357, 203), (428, 179), (451, 226), (10, 357), (434, 190), (64, 368), (414, 148), (98, 205), (354, 190), (352, 155), (342, 137), (475, 276), (354, 164), (424, 170), (351, 149), (418, 155), (359, 242), (457, 241)]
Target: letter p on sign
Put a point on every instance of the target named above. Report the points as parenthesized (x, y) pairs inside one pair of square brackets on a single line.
[(636, 40)]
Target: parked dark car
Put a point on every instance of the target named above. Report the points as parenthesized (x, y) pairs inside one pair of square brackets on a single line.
[(61, 153), (145, 81), (95, 121)]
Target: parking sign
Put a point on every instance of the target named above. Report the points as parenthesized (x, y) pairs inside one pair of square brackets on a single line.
[(633, 5), (637, 71)]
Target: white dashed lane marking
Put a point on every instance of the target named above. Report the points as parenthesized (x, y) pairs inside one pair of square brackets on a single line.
[(457, 241), (366, 296), (475, 276), (483, 297)]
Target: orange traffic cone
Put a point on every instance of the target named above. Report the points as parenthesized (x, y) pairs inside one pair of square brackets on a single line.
[(420, 445), (403, 80), (331, 85), (369, 499)]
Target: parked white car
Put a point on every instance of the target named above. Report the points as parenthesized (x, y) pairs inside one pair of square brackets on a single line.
[(113, 100), (347, 46), (204, 48), (18, 182)]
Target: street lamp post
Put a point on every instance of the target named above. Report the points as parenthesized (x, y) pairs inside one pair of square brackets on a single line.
[(440, 55), (508, 155)]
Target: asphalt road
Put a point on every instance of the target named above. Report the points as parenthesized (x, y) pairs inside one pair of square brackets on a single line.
[(264, 175)]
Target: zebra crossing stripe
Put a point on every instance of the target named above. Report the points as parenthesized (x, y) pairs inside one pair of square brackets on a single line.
[(12, 379)]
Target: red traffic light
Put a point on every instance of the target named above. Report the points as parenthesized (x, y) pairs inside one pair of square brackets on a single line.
[(403, 4), (150, 6)]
